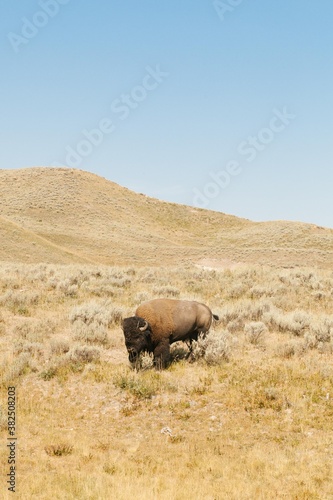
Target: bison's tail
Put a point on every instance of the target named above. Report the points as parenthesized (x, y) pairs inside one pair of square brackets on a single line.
[(215, 316)]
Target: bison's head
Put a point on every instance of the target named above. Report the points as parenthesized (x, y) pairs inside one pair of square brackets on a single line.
[(137, 333)]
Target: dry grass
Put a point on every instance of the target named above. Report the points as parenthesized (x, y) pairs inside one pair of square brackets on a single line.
[(251, 417)]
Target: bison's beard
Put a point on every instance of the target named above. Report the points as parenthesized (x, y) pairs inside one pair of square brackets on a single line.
[(133, 355), (134, 351)]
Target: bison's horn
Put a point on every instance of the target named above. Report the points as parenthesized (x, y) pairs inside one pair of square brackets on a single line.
[(144, 327)]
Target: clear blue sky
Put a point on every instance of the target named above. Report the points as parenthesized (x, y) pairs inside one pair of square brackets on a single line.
[(227, 105)]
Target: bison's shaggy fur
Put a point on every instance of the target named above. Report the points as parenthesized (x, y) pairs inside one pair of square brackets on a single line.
[(160, 322)]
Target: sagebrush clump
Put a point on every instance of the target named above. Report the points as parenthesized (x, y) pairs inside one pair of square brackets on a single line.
[(214, 348), (255, 332)]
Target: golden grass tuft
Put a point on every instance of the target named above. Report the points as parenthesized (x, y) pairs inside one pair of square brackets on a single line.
[(58, 450)]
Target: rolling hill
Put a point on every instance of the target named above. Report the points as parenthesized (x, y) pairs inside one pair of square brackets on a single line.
[(60, 215)]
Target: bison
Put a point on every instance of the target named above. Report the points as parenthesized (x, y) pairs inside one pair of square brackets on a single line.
[(160, 322)]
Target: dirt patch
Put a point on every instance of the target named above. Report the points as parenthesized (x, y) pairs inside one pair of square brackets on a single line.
[(218, 264)]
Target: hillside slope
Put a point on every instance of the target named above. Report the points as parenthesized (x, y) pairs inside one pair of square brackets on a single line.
[(65, 215), (21, 245)]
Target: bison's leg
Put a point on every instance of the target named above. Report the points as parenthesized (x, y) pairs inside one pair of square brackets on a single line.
[(189, 343), (162, 355), (190, 356)]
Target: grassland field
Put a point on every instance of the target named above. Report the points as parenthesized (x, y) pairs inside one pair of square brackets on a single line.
[(250, 418)]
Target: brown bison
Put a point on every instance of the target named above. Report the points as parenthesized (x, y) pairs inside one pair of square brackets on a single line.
[(160, 322)]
